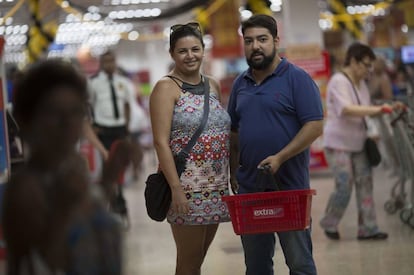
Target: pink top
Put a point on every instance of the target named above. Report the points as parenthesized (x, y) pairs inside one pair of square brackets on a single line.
[(342, 132)]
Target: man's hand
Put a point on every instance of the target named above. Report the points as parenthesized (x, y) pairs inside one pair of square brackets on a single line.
[(273, 162)]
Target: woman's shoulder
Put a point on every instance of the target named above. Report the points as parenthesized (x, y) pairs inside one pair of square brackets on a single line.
[(165, 86), (336, 79)]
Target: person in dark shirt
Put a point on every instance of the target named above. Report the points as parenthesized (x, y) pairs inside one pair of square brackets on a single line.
[(276, 114)]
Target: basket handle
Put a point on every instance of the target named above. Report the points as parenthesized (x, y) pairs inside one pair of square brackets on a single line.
[(262, 178)]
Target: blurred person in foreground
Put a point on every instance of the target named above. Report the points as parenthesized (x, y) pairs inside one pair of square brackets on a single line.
[(276, 114), (176, 109), (348, 104), (54, 220)]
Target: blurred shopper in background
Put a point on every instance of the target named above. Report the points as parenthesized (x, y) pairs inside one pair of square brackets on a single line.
[(176, 109), (348, 103), (13, 75), (90, 135), (276, 114), (110, 97), (54, 220), (402, 87), (379, 84)]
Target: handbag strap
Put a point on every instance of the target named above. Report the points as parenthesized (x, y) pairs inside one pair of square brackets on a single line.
[(357, 97), (186, 150)]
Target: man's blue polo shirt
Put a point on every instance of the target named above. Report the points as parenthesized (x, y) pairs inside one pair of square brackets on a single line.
[(267, 117)]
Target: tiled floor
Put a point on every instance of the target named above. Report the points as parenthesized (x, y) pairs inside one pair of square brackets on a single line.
[(150, 250), (149, 247)]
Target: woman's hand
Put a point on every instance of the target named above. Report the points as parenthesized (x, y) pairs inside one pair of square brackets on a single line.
[(398, 105), (234, 185), (386, 108), (179, 202)]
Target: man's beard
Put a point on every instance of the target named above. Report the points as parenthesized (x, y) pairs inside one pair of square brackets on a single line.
[(264, 63)]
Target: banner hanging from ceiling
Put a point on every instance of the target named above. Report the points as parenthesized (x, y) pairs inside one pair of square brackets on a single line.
[(224, 26)]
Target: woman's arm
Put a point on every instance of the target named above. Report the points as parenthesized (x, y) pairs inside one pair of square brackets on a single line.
[(234, 160), (361, 110), (90, 135), (162, 102)]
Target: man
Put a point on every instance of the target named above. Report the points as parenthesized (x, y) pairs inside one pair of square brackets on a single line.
[(110, 96), (276, 114)]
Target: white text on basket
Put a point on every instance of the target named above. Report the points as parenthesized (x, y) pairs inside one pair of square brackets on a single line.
[(274, 212)]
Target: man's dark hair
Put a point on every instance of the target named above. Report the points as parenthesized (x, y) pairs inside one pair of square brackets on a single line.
[(358, 51), (262, 21), (39, 82)]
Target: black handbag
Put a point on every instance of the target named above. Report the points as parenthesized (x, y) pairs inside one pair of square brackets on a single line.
[(372, 152), (157, 190), (370, 146)]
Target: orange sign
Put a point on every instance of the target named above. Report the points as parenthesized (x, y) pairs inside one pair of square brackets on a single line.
[(224, 29)]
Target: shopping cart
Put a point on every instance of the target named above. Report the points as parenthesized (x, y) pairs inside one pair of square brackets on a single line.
[(397, 132)]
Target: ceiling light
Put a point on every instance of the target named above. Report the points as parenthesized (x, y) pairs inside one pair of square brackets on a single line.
[(133, 35), (275, 8), (155, 12)]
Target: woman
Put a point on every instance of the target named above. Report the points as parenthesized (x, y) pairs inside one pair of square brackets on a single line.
[(53, 222), (348, 103), (176, 108)]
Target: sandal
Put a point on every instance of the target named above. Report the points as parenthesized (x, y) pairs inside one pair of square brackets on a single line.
[(332, 235)]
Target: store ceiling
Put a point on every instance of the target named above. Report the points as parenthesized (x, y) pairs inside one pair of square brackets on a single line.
[(52, 10), (102, 23)]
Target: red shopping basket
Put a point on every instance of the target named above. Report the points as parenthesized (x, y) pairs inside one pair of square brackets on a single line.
[(270, 211)]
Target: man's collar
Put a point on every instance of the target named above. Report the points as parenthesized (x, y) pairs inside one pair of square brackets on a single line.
[(279, 68)]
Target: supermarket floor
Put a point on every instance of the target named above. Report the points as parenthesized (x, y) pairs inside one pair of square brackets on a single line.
[(150, 250)]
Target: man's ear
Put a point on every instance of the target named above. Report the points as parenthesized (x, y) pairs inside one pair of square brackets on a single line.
[(276, 40)]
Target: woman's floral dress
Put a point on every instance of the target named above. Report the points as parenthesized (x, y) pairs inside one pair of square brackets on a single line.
[(206, 177)]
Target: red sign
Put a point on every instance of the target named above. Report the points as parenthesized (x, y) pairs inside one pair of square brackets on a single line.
[(318, 67)]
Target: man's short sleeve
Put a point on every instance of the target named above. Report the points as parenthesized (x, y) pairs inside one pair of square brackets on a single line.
[(307, 97), (231, 108)]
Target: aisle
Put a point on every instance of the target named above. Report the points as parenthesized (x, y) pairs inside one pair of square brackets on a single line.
[(149, 247)]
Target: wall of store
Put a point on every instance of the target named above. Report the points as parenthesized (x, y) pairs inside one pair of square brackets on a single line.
[(300, 20), (152, 55)]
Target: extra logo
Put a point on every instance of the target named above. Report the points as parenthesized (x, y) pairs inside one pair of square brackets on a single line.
[(265, 213)]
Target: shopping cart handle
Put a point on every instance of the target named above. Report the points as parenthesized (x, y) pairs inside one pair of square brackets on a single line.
[(401, 115)]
